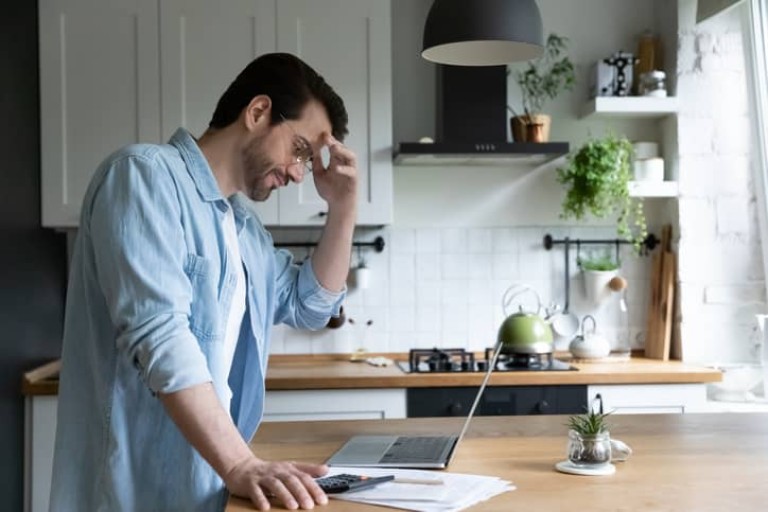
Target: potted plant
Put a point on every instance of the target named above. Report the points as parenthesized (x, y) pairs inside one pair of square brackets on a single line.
[(596, 179), (589, 441), (543, 79), (597, 270)]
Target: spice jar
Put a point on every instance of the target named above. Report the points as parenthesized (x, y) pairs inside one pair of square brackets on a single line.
[(653, 83)]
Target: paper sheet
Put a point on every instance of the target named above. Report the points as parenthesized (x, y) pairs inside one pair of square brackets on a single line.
[(458, 491)]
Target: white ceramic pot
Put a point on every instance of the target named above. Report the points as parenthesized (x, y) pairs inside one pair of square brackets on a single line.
[(596, 284)]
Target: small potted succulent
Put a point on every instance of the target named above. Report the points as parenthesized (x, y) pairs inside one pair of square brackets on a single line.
[(596, 179), (541, 80), (589, 441)]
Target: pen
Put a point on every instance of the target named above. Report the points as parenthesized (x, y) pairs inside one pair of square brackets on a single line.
[(423, 481)]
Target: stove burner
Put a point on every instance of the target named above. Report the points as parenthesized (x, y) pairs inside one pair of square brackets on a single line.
[(441, 360), (460, 360)]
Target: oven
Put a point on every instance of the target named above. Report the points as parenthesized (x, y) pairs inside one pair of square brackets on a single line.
[(496, 400)]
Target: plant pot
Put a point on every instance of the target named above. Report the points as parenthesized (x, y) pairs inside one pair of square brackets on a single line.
[(530, 128), (589, 450), (596, 287)]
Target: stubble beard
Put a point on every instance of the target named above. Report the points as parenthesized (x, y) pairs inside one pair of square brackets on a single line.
[(257, 167)]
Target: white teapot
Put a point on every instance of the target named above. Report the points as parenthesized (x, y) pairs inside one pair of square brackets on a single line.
[(589, 344)]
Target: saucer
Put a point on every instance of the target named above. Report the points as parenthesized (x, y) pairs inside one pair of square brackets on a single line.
[(566, 466)]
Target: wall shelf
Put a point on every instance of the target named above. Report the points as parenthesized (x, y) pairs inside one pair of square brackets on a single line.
[(653, 189), (631, 107)]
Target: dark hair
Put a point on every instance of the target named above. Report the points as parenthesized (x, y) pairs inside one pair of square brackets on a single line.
[(290, 83)]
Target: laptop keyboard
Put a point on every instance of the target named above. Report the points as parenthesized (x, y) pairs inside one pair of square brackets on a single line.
[(417, 449)]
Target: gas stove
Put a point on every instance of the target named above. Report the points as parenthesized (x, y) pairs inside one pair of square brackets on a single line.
[(460, 360)]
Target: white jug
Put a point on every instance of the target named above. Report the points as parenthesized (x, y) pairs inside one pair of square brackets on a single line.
[(761, 323)]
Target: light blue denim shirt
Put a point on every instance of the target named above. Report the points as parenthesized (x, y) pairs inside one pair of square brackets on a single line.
[(150, 285)]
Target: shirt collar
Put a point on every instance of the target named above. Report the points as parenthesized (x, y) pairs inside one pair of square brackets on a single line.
[(197, 165)]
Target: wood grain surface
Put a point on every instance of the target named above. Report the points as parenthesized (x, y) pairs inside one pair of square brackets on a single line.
[(334, 371), (681, 462)]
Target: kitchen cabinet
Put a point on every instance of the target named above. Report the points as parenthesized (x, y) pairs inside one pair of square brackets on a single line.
[(114, 73), (334, 404), (650, 398), (99, 90), (350, 42), (39, 438)]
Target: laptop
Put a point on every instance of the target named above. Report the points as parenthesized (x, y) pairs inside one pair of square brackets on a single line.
[(392, 451)]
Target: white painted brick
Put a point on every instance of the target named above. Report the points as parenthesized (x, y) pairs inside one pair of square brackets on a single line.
[(687, 57), (696, 136), (697, 220), (733, 215), (704, 43), (695, 261), (734, 175), (732, 136)]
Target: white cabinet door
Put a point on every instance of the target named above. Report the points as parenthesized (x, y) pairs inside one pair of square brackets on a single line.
[(349, 43), (334, 404), (99, 90), (650, 398), (203, 47)]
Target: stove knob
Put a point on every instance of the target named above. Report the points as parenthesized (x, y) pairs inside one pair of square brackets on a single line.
[(542, 407), (482, 366), (456, 409), (465, 366)]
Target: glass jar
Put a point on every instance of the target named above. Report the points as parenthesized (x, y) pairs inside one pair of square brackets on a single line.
[(589, 450), (653, 83)]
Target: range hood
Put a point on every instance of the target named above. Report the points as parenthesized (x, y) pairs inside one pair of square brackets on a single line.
[(471, 124)]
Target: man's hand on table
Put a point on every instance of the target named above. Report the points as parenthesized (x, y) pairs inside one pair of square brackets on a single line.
[(289, 483)]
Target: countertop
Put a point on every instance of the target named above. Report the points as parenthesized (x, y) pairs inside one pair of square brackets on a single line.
[(701, 462), (335, 371)]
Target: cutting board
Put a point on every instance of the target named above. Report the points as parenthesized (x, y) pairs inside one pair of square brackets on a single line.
[(659, 326)]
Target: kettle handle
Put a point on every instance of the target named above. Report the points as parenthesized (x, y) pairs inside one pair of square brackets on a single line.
[(516, 290)]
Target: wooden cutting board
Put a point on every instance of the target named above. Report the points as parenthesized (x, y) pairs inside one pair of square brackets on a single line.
[(662, 299)]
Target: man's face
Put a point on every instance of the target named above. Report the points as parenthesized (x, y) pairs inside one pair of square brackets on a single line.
[(278, 157)]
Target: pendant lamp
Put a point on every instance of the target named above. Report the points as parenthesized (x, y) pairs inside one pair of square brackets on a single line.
[(483, 32)]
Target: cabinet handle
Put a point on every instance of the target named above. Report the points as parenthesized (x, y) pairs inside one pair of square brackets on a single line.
[(542, 407), (456, 409), (322, 214)]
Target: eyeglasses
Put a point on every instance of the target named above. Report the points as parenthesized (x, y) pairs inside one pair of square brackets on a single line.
[(302, 149)]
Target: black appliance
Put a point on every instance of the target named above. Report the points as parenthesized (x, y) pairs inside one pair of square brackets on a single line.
[(472, 122), (496, 400), (461, 360)]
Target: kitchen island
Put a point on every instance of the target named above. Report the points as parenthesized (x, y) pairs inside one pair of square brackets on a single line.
[(699, 462)]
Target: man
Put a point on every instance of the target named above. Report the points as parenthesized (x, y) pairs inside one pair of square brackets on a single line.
[(174, 287)]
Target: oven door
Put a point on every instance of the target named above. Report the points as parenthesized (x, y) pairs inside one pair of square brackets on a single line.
[(496, 401)]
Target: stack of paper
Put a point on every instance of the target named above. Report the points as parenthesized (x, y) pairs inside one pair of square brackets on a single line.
[(440, 491)]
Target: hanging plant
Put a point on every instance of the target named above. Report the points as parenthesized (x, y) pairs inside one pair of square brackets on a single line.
[(597, 183)]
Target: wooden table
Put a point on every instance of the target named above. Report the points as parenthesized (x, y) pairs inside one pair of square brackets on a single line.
[(691, 462)]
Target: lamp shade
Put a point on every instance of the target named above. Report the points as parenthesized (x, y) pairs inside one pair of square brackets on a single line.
[(483, 32)]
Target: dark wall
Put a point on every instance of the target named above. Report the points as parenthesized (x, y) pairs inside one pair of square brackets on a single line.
[(32, 259)]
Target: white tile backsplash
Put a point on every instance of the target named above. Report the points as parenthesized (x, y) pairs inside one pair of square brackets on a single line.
[(442, 287)]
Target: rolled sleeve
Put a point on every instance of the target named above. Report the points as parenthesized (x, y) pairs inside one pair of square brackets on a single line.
[(303, 301), (139, 252)]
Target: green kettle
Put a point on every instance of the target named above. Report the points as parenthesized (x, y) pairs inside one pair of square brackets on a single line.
[(524, 332)]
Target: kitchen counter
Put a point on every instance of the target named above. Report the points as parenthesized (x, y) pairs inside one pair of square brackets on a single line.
[(701, 462), (335, 371)]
